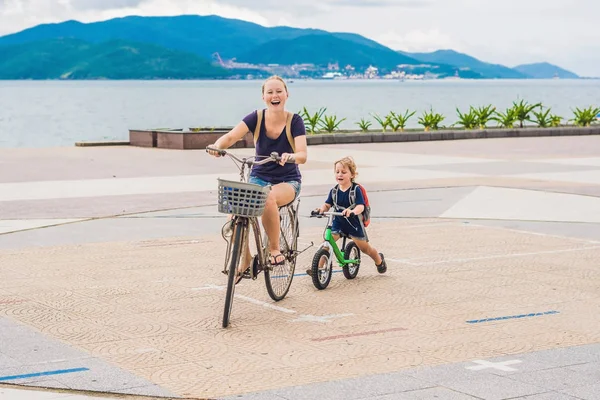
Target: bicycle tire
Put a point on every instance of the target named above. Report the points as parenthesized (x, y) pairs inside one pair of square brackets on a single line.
[(351, 270), (321, 277), (278, 278), (234, 260)]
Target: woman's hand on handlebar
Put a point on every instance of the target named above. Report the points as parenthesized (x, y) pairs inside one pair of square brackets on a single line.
[(287, 158), (215, 151)]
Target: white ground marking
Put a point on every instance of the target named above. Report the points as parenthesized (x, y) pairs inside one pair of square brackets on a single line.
[(549, 235), (525, 205), (502, 365), (322, 319), (494, 256), (301, 318), (16, 225)]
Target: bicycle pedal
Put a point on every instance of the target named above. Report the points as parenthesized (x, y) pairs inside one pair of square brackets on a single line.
[(246, 275)]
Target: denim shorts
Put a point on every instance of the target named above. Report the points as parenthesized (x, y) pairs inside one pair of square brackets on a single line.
[(261, 182), (363, 238)]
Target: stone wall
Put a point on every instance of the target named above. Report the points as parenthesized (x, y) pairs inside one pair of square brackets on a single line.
[(182, 140), (378, 137)]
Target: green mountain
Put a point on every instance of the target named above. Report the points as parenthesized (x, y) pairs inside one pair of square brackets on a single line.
[(202, 35), (233, 39), (181, 47), (545, 71), (461, 60), (117, 59)]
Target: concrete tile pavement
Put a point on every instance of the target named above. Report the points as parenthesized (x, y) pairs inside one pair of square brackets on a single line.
[(138, 294)]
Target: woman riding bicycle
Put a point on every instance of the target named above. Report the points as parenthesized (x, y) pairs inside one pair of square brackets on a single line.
[(284, 177)]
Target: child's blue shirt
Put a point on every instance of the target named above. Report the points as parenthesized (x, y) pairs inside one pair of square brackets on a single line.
[(351, 226)]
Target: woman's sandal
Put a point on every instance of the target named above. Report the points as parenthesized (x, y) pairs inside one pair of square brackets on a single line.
[(274, 258)]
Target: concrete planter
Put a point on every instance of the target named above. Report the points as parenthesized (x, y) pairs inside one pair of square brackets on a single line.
[(413, 136), (141, 138), (182, 140)]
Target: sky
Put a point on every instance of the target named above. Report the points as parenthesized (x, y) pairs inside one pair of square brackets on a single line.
[(508, 32)]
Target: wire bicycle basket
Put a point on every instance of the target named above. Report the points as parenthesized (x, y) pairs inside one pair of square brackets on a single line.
[(241, 198)]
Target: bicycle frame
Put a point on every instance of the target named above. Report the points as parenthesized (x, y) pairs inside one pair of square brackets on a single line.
[(245, 165), (331, 243), (247, 224)]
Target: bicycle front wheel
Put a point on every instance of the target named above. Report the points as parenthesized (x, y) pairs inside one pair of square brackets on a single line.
[(321, 269), (239, 230), (278, 278)]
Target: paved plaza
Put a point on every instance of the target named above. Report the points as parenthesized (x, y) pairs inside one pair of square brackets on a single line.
[(111, 286)]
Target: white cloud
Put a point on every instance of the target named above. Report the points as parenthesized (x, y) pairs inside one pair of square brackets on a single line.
[(103, 4), (16, 15), (418, 41)]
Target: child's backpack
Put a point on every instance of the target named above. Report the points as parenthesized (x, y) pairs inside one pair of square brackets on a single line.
[(288, 128), (367, 212)]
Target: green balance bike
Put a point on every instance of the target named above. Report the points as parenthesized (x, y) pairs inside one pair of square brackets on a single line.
[(321, 267)]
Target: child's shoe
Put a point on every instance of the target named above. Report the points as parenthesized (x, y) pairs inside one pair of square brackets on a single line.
[(381, 268)]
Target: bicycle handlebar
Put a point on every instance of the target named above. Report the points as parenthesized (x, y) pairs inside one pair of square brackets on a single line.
[(315, 213), (273, 157)]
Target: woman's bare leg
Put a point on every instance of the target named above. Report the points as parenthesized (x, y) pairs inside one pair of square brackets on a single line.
[(281, 194)]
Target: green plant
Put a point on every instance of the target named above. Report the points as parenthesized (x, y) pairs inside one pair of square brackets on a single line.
[(331, 123), (431, 120), (586, 116), (544, 119), (467, 120), (505, 119), (312, 120), (398, 121), (484, 115), (523, 109), (364, 124), (555, 120), (384, 122)]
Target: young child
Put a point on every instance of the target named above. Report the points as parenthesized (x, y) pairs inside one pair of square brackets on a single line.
[(352, 224)]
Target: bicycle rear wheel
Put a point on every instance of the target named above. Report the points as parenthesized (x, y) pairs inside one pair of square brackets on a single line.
[(239, 230), (351, 252), (278, 278)]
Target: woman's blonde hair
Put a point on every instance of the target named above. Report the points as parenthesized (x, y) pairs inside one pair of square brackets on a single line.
[(349, 163), (271, 78)]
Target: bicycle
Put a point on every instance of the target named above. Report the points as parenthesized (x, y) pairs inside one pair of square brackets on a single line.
[(245, 202), (349, 261)]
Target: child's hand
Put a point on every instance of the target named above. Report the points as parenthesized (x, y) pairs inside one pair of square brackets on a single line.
[(347, 212)]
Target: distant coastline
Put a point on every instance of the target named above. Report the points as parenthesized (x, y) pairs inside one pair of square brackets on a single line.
[(221, 48)]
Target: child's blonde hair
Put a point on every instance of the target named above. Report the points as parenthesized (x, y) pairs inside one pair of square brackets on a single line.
[(349, 163), (280, 79)]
